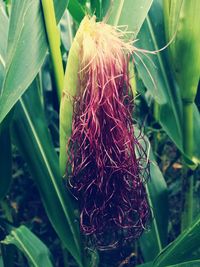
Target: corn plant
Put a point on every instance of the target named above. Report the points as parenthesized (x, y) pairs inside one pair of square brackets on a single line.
[(151, 44)]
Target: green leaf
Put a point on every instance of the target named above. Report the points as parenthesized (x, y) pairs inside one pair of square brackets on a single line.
[(182, 18), (154, 72), (184, 248), (82, 2), (76, 10), (152, 68), (33, 140), (32, 247), (3, 42), (27, 47), (155, 238), (195, 263), (5, 142), (129, 13), (152, 241), (100, 8), (148, 264)]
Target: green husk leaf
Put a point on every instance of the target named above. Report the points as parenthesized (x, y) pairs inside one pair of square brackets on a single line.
[(70, 87)]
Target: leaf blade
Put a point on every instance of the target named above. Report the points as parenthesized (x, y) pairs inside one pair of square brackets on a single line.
[(26, 30), (76, 9), (5, 142), (3, 42), (129, 12), (152, 241), (31, 246), (182, 248)]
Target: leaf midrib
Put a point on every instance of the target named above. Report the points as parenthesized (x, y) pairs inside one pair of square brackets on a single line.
[(24, 248), (119, 11)]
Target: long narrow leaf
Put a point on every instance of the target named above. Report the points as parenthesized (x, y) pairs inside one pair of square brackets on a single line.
[(5, 142), (195, 263), (182, 16), (184, 248), (76, 10), (148, 264), (3, 42), (27, 41), (32, 247), (129, 13), (153, 73), (32, 136), (153, 240), (100, 8)]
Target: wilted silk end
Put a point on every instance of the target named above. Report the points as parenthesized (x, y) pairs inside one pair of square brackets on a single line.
[(107, 165)]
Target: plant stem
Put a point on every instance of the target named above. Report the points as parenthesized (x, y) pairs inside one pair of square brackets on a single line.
[(187, 214), (54, 44)]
